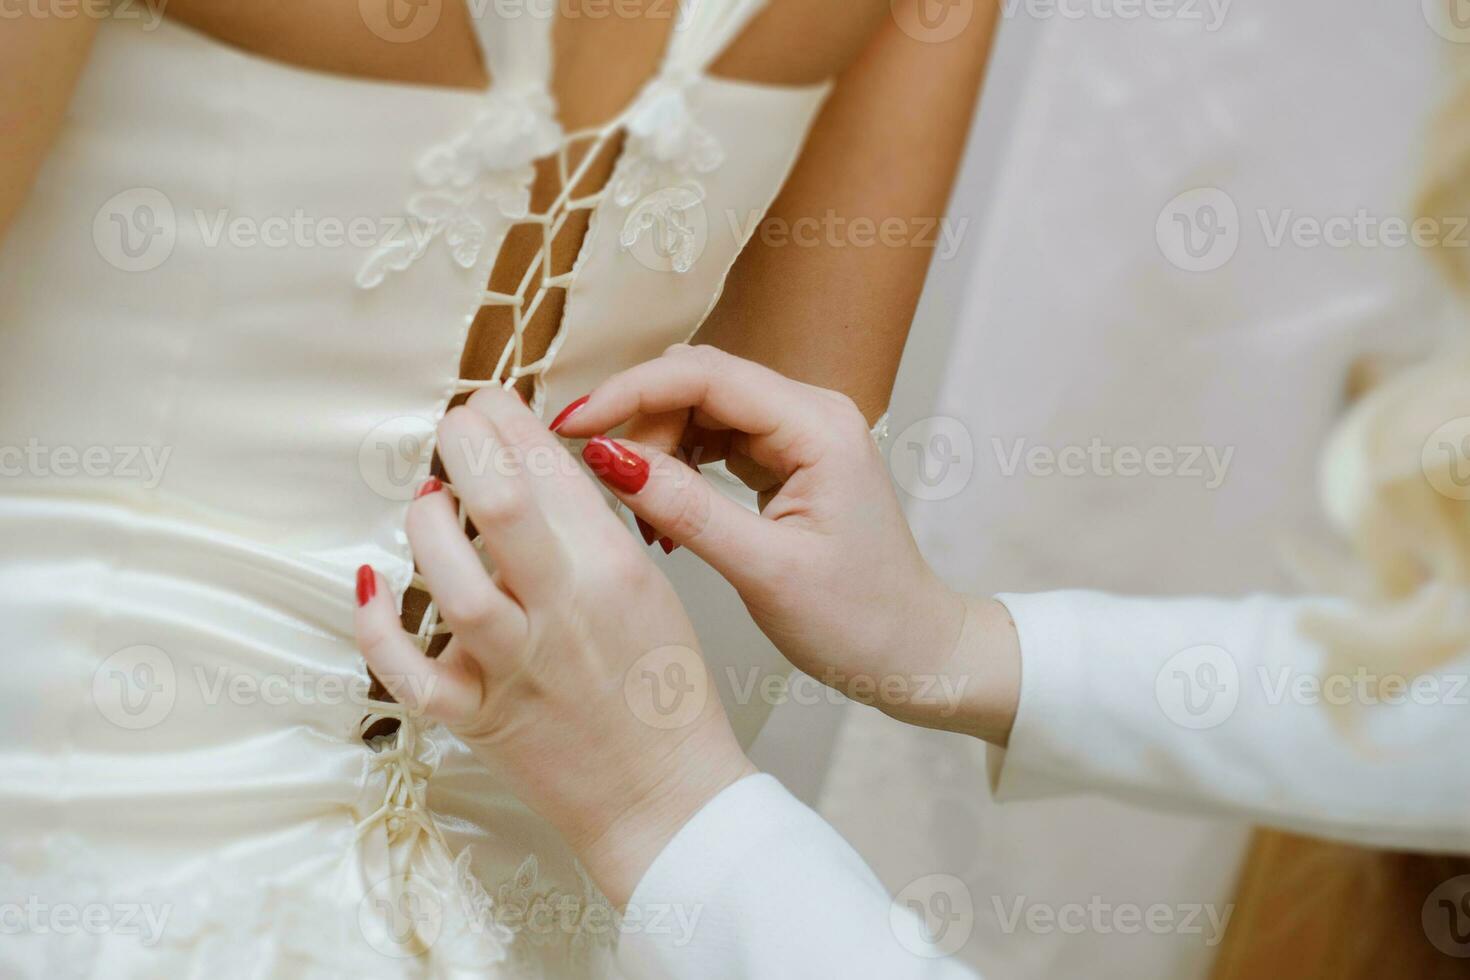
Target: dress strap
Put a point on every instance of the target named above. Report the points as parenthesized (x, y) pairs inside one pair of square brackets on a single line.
[(515, 40), (705, 29)]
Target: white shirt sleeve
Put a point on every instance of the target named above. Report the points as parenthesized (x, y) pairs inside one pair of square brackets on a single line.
[(758, 887), (1222, 707)]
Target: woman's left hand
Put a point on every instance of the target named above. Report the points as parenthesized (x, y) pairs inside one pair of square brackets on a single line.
[(573, 671)]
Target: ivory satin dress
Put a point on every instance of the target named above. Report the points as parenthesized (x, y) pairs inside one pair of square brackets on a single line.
[(231, 313)]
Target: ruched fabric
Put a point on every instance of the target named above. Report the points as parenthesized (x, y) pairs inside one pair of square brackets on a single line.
[(231, 313)]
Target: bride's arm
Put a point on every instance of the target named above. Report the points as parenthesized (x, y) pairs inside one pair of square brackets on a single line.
[(884, 150), (41, 55)]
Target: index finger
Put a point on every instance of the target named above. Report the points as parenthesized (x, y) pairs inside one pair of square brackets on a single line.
[(783, 419)]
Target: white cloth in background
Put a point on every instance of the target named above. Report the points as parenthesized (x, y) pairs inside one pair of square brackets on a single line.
[(1070, 325), (1223, 706), (758, 887)]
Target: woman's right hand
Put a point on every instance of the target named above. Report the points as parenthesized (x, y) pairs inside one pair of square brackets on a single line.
[(828, 569)]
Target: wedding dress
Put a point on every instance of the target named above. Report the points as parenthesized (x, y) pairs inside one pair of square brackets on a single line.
[(231, 312)]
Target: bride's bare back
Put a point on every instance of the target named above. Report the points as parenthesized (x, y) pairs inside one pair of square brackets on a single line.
[(603, 53), (604, 50), (269, 373)]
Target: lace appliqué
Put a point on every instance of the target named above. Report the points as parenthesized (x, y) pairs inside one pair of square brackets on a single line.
[(666, 143), (65, 879), (493, 161), (462, 927), (880, 432), (541, 915), (666, 153), (481, 928), (232, 926)]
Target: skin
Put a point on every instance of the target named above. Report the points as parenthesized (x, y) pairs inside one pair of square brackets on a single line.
[(833, 316), (833, 511), (544, 678), (539, 666), (837, 316), (40, 60)]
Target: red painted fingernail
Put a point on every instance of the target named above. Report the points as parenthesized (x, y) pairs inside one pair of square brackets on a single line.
[(567, 413), (432, 485), (667, 544), (620, 468), (367, 585), (646, 529)]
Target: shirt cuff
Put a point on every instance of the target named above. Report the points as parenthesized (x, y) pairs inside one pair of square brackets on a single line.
[(1053, 714), (755, 885)]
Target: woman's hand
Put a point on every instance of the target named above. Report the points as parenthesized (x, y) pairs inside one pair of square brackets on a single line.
[(829, 569), (573, 672)]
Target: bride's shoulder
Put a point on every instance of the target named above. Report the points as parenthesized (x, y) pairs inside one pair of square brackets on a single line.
[(40, 60), (420, 43), (798, 42)]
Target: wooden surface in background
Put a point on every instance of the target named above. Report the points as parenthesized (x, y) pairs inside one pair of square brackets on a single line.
[(1307, 908)]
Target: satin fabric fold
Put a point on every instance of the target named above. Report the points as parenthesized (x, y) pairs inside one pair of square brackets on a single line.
[(206, 425)]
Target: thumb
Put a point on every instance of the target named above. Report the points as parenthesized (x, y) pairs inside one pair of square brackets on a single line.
[(735, 541)]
